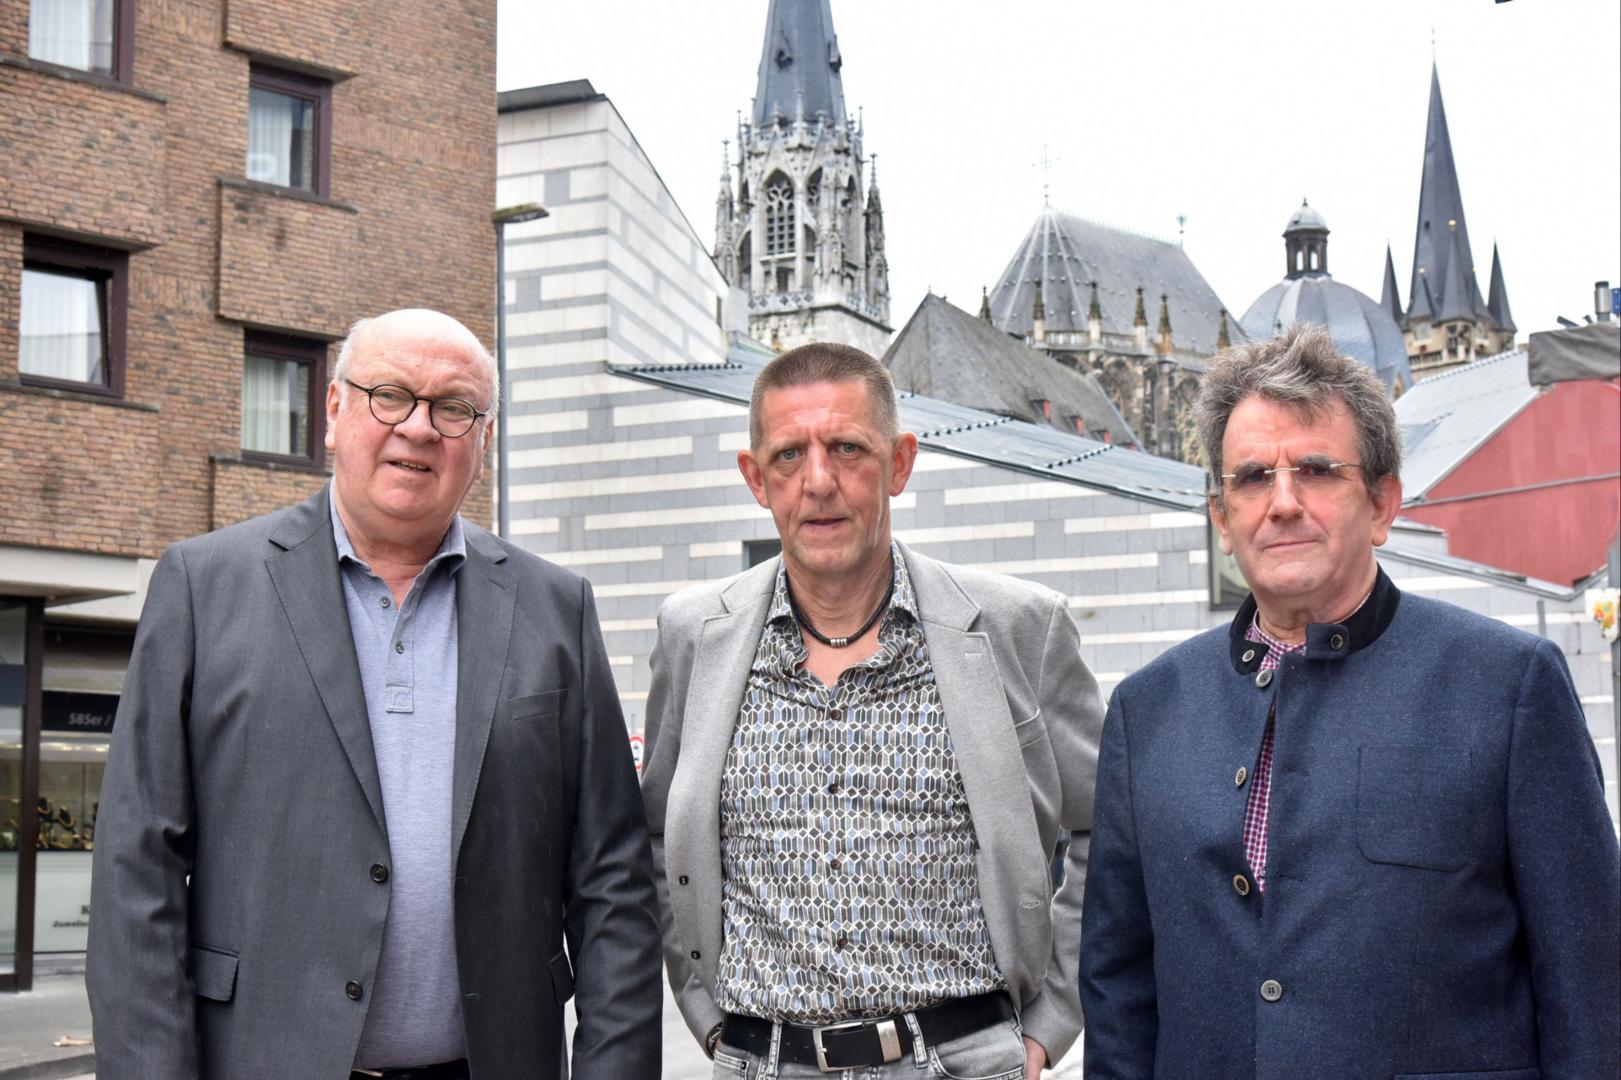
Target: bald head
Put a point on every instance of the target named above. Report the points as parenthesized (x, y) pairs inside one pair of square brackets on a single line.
[(419, 326)]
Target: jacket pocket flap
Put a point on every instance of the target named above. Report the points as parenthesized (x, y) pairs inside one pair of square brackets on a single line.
[(562, 978), (546, 704), (213, 972)]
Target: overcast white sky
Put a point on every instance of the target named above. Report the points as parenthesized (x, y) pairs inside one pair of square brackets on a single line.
[(1227, 113)]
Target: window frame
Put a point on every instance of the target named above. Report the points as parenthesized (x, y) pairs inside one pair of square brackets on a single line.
[(310, 88), (123, 45), (109, 268), (310, 352)]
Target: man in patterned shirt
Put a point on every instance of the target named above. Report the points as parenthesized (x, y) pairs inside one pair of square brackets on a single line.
[(1359, 833), (859, 761)]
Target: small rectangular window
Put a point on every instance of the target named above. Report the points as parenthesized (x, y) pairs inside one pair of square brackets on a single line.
[(71, 328), (282, 383), (90, 35), (289, 139), (756, 552)]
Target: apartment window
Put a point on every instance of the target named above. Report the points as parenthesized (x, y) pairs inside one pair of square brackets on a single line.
[(282, 383), (289, 129), (91, 35), (71, 330)]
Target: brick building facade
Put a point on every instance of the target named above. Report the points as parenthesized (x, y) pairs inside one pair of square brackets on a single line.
[(195, 194)]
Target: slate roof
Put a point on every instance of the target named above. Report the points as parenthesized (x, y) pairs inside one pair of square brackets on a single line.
[(1066, 253), (799, 64), (1447, 417), (1439, 203), (1497, 298), (945, 352)]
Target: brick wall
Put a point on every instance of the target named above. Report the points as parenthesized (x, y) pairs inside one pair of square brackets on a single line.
[(156, 167)]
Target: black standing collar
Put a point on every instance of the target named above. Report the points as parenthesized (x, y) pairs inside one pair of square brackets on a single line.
[(1324, 641)]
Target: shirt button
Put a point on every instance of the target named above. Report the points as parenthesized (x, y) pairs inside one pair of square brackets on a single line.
[(1241, 885), (842, 944), (1263, 679), (399, 647), (379, 873), (386, 602), (352, 988), (833, 863), (835, 715), (1271, 990), (1243, 775), (833, 788)]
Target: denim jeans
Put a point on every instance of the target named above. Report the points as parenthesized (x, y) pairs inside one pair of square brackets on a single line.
[(992, 1053)]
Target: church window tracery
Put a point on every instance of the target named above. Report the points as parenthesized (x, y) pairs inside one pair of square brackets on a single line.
[(779, 215)]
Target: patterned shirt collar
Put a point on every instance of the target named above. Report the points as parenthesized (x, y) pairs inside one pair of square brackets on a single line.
[(903, 599)]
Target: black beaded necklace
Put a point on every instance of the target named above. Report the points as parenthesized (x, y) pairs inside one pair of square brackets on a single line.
[(839, 642)]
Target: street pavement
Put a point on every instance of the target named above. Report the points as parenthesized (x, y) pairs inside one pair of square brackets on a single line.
[(30, 1022)]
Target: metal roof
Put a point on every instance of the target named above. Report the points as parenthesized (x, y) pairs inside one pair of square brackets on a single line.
[(1446, 418), (1034, 449), (1066, 254), (945, 352), (1359, 326)]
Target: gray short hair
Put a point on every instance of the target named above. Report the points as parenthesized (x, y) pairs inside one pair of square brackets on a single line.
[(1304, 369), (346, 355), (821, 362)]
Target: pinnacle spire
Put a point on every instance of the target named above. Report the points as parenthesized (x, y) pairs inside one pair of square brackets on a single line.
[(1224, 340), (1141, 316), (1456, 286), (799, 64), (1497, 300), (1389, 297), (1439, 203), (1095, 311), (984, 303)]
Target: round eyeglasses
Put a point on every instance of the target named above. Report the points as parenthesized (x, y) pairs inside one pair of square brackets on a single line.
[(451, 417), (1255, 482)]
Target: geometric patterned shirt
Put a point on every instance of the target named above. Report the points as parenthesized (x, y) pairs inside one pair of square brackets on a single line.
[(849, 886)]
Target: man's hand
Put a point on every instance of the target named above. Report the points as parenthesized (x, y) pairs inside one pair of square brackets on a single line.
[(1035, 1059)]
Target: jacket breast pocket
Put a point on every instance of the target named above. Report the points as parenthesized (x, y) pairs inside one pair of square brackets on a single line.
[(213, 972), (1415, 805), (534, 706)]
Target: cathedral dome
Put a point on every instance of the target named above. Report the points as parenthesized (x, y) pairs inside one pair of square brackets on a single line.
[(1359, 326)]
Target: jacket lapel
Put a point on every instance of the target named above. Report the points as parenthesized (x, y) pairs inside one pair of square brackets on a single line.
[(304, 571), (485, 601), (718, 681), (987, 750)]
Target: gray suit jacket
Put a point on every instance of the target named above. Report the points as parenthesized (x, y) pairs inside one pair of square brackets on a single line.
[(241, 817), (1024, 715)]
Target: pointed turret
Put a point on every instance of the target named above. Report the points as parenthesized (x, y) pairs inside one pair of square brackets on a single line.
[(1163, 347), (1455, 300), (1439, 203), (1497, 301), (725, 209), (1389, 298), (985, 303), (799, 65), (1224, 340)]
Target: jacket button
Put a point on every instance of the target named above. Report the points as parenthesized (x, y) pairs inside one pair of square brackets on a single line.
[(1249, 654), (1263, 679), (379, 873), (1337, 641), (1241, 885), (695, 954), (1271, 990), (682, 880), (352, 988), (1243, 775)]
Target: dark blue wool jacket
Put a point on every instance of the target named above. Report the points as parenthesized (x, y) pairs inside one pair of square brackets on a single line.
[(1443, 883)]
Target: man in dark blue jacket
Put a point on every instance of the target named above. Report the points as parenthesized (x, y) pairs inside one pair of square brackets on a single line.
[(1359, 834)]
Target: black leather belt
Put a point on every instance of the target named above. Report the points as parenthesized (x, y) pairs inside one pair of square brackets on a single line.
[(856, 1044), (445, 1070)]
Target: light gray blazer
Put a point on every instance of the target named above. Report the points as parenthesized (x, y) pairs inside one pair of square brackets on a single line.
[(1024, 715)]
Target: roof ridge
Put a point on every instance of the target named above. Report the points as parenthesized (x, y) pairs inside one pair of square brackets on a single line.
[(1128, 230)]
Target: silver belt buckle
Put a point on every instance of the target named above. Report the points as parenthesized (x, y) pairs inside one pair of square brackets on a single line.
[(889, 1041)]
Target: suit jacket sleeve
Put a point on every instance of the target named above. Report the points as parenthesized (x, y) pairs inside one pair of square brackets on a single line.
[(671, 664), (1117, 954), (1073, 712), (1565, 869), (141, 994), (609, 906)]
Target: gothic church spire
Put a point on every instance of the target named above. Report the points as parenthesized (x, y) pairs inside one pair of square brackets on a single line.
[(799, 64)]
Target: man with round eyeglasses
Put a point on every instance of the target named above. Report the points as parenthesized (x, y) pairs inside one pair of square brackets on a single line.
[(370, 810), (1357, 833)]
